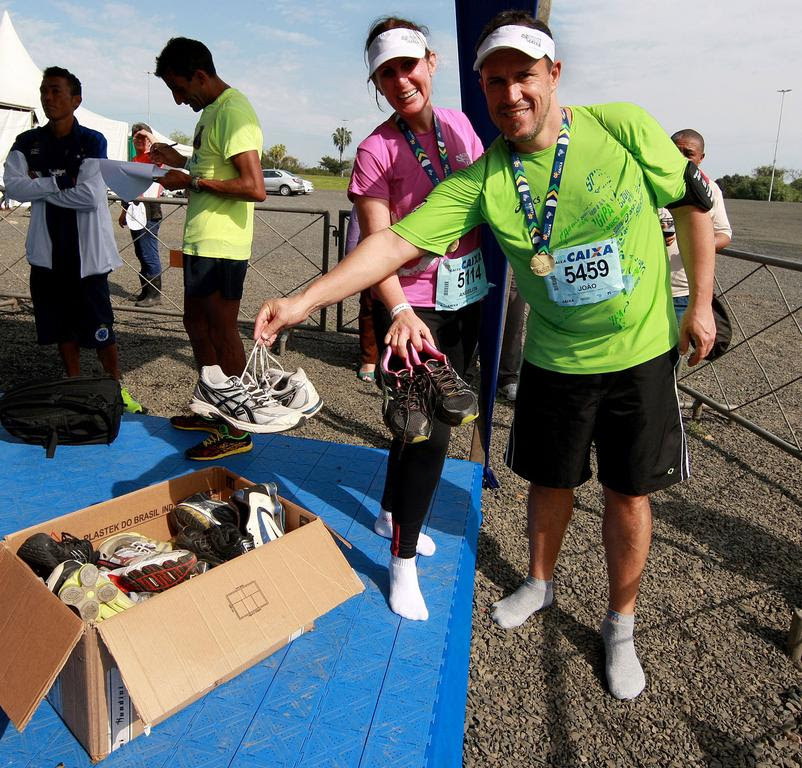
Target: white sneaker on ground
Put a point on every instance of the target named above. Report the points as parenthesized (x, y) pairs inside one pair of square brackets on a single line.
[(240, 402)]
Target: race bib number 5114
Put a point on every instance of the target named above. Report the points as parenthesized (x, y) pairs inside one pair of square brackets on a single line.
[(585, 274)]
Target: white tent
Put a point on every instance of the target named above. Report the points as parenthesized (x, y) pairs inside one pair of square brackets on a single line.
[(20, 79)]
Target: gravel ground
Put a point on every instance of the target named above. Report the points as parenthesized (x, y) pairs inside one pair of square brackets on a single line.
[(723, 574)]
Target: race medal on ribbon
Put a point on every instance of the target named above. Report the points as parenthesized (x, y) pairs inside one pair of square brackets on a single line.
[(453, 247), (542, 263)]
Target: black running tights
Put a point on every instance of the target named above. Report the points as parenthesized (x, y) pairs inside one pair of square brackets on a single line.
[(413, 470)]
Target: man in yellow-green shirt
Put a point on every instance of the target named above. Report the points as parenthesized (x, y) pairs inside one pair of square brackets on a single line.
[(225, 179), (571, 194)]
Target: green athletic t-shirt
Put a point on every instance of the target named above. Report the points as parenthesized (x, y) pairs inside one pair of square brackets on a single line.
[(620, 167), (216, 226)]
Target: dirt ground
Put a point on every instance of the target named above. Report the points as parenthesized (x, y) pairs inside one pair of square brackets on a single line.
[(723, 574)]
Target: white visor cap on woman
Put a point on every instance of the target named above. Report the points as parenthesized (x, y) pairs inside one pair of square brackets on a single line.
[(532, 42), (393, 44)]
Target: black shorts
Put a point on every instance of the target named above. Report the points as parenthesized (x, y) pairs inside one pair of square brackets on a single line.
[(204, 276), (76, 309), (632, 416)]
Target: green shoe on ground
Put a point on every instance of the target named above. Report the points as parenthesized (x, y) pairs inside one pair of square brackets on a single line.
[(131, 405), (218, 445)]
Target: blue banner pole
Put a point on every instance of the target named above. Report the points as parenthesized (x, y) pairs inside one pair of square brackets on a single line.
[(472, 16)]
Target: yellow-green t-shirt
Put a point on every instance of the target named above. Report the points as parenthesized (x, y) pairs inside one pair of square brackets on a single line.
[(620, 167), (216, 226)]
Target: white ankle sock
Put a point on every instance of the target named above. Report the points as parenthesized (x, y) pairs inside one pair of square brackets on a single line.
[(624, 673), (533, 595), (405, 596), (384, 527)]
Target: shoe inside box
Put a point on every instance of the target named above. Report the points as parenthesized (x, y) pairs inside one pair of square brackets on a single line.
[(244, 610)]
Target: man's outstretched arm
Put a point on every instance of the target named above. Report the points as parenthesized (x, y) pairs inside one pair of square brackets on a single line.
[(374, 259)]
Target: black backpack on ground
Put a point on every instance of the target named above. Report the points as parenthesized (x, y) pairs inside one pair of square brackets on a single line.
[(74, 411)]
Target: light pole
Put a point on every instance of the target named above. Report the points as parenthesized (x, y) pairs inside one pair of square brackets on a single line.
[(782, 92)]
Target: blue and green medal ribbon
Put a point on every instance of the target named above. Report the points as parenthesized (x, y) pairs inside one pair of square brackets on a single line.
[(420, 152), (542, 262), (423, 158)]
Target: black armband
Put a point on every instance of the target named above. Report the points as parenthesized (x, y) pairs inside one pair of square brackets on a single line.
[(697, 190)]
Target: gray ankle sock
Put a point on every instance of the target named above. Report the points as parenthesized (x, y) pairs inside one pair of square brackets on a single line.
[(624, 673), (515, 609)]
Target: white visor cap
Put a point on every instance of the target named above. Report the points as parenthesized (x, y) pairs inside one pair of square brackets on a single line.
[(395, 43), (532, 42)]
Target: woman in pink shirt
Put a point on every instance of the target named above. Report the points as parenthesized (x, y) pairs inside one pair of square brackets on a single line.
[(395, 169)]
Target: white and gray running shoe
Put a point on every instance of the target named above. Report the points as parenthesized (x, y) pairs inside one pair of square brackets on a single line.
[(290, 388), (123, 549), (261, 512), (293, 390), (241, 402)]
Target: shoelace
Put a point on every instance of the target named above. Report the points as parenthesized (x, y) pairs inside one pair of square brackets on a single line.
[(414, 392), (446, 381), (228, 538), (219, 437), (255, 377), (268, 362), (80, 549), (143, 548), (202, 544)]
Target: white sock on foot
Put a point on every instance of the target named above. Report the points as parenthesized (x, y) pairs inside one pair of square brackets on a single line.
[(533, 595), (384, 527), (405, 596), (624, 673)]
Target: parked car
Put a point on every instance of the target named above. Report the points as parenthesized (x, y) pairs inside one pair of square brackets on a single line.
[(285, 183)]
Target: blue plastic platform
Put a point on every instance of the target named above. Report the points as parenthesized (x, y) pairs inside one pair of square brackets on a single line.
[(366, 688)]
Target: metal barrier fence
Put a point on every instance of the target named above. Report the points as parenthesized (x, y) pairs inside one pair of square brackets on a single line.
[(346, 317), (290, 249), (757, 383)]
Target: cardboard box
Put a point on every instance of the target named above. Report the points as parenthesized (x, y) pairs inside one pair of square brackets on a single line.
[(113, 680)]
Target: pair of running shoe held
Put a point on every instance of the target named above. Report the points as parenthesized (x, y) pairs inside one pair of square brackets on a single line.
[(419, 388), (264, 399)]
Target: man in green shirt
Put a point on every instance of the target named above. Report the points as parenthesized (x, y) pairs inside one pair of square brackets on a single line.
[(225, 179), (571, 195)]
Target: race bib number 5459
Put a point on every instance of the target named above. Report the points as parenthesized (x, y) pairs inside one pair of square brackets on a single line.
[(585, 274)]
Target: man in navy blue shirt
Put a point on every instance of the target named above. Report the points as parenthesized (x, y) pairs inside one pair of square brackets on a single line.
[(70, 243)]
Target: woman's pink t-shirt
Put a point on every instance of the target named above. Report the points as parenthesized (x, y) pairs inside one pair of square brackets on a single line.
[(386, 167)]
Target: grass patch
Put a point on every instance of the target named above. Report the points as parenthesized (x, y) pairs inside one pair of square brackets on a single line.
[(328, 182)]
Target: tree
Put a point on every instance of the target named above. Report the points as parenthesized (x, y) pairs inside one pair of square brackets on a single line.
[(341, 138), (181, 138), (756, 186), (275, 156), (333, 165), (292, 164)]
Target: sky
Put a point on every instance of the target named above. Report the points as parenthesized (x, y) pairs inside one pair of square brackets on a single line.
[(713, 66)]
